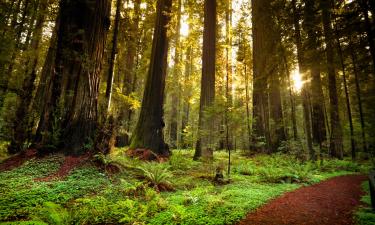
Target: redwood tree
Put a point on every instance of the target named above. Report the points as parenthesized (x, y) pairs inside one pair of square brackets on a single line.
[(148, 133), (206, 125), (336, 144), (71, 115)]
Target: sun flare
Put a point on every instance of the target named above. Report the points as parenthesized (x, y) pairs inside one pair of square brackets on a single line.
[(297, 81)]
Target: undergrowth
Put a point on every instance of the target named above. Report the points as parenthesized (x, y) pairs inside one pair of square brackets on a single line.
[(365, 215), (138, 193)]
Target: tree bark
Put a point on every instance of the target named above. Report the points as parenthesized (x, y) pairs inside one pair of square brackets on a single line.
[(347, 98), (336, 145), (149, 130), (359, 99), (205, 143), (262, 63), (176, 87), (313, 63), (108, 93), (369, 32), (80, 48)]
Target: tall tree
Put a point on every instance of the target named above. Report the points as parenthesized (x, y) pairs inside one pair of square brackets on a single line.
[(336, 144), (108, 93), (313, 63), (204, 146), (149, 130), (176, 76), (80, 48), (264, 70), (305, 89)]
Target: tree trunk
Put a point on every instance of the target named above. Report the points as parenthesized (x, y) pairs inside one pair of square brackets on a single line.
[(359, 99), (369, 31), (336, 145), (176, 87), (313, 63), (247, 102), (262, 58), (187, 93), (228, 84), (276, 113), (304, 92), (21, 125), (149, 130), (80, 48), (347, 98), (108, 93), (44, 89), (204, 146)]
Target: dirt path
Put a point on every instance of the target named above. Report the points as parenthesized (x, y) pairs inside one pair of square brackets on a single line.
[(328, 203)]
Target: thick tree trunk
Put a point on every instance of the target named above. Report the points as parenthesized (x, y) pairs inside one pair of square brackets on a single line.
[(149, 130), (80, 48), (21, 125), (336, 145), (276, 113), (204, 146), (313, 63), (262, 58)]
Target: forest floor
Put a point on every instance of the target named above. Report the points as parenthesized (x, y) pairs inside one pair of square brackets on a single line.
[(330, 202), (58, 189)]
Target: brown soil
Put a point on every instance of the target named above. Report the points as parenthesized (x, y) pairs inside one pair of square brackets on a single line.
[(145, 155), (331, 202), (17, 160)]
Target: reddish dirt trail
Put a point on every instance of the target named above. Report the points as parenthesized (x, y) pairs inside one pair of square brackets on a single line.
[(328, 203)]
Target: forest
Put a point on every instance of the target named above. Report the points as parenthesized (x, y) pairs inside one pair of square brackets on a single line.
[(187, 112)]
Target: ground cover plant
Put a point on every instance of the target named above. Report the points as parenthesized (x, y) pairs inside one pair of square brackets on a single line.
[(137, 194)]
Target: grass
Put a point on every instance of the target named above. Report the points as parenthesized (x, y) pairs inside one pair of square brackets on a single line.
[(365, 215), (134, 196)]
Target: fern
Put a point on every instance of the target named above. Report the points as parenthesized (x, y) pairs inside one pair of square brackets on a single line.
[(157, 175)]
